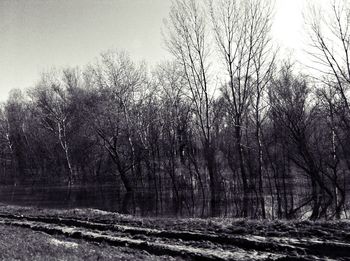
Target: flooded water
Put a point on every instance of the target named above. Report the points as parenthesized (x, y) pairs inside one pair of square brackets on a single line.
[(141, 202), (104, 197)]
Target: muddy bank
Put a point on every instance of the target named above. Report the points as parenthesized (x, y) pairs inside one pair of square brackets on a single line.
[(194, 239)]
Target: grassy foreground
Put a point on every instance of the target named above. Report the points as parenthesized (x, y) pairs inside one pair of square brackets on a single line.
[(25, 244), (281, 239), (327, 229)]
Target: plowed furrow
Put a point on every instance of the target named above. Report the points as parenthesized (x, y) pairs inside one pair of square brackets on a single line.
[(287, 245), (158, 248)]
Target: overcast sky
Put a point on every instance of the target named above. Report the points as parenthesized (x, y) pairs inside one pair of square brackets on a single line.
[(36, 35)]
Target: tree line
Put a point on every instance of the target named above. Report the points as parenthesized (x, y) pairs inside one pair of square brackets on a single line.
[(226, 127)]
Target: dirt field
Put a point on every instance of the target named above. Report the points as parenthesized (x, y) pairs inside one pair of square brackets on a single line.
[(115, 236)]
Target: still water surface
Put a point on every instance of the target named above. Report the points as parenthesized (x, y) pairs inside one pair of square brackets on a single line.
[(105, 197)]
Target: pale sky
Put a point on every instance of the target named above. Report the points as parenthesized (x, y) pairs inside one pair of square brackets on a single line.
[(36, 35)]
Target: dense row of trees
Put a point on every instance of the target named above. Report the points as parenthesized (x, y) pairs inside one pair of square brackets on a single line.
[(225, 128)]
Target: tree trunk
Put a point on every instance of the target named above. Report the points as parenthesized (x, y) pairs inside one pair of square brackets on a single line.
[(64, 144), (239, 146), (214, 182), (260, 159)]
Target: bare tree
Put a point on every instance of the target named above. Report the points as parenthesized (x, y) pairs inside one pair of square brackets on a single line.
[(242, 31), (187, 40), (329, 32), (117, 80), (15, 119), (52, 97), (335, 144), (298, 118)]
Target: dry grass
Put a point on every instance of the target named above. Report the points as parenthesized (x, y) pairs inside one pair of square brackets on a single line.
[(24, 244), (331, 230)]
